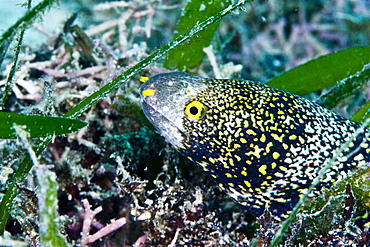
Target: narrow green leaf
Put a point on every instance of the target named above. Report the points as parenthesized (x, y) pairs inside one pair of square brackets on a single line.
[(322, 72), (344, 89), (37, 126), (363, 114), (47, 194), (190, 54)]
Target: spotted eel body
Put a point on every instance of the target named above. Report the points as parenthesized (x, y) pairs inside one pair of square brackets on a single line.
[(263, 146)]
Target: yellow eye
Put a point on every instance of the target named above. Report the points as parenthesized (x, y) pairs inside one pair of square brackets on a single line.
[(195, 110)]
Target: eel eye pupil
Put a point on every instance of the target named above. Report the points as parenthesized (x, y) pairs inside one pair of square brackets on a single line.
[(195, 110)]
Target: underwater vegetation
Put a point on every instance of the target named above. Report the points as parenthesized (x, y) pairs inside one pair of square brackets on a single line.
[(82, 166)]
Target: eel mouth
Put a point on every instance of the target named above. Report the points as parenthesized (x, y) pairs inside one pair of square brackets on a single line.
[(165, 126)]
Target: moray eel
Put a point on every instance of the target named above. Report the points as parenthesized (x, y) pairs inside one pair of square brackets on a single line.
[(261, 145)]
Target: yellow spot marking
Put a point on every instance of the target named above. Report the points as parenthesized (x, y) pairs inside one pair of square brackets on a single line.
[(231, 161), (148, 92), (251, 132), (358, 157), (212, 160), (278, 174), (281, 200), (272, 105), (275, 155), (262, 169), (214, 176), (248, 106), (280, 112), (240, 186), (228, 175), (246, 124), (248, 162), (231, 185), (270, 144), (243, 140), (244, 173), (292, 137), (364, 145), (268, 177), (288, 160), (273, 165), (221, 186), (253, 153), (247, 184), (283, 168), (144, 78), (204, 165), (265, 183), (277, 137), (263, 138)]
